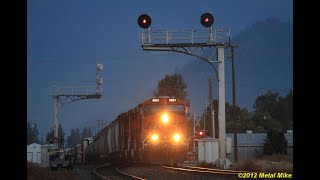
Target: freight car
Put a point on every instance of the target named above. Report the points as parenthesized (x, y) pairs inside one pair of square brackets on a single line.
[(79, 149), (155, 131)]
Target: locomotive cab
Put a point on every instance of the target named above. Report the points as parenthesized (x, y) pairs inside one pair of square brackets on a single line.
[(165, 130)]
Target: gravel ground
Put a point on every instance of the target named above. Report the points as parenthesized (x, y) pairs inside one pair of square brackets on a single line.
[(83, 172), (157, 173)]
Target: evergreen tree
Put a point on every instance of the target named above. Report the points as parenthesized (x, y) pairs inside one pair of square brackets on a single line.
[(85, 133), (32, 133), (74, 138), (42, 142), (70, 138), (29, 134), (61, 134), (275, 143), (35, 133)]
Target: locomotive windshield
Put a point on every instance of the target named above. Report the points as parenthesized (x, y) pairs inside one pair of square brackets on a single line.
[(174, 108), (152, 108)]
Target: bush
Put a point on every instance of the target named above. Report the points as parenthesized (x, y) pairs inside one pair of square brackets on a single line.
[(35, 172), (268, 164), (275, 143)]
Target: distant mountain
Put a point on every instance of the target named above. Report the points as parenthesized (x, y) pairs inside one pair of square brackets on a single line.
[(263, 61)]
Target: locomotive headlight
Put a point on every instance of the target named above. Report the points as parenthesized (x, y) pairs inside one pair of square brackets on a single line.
[(154, 137), (176, 137), (165, 118)]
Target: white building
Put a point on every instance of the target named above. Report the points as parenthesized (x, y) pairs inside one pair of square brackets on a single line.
[(38, 154), (45, 155), (34, 153)]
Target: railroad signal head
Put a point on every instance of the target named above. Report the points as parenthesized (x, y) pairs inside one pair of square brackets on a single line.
[(206, 19), (201, 133), (144, 21)]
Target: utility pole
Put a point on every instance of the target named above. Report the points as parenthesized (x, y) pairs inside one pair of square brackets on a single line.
[(234, 107), (98, 125), (211, 106), (194, 131), (204, 119)]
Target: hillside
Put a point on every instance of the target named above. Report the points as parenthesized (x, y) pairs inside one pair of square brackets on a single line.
[(263, 61)]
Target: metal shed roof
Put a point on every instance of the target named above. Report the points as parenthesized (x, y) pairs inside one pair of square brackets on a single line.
[(256, 138)]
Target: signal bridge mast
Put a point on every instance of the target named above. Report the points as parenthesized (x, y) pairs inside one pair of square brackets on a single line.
[(198, 43), (65, 95)]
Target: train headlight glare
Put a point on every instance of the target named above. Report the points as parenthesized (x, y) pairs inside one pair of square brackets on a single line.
[(154, 137), (176, 137), (165, 118)]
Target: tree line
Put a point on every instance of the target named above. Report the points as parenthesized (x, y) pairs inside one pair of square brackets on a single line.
[(73, 139), (272, 114), (270, 110)]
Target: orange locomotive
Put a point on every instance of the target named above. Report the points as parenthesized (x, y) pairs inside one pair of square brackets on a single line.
[(155, 131)]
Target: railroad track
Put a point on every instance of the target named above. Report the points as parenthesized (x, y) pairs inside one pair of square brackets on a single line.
[(150, 172), (204, 170), (108, 172), (157, 172)]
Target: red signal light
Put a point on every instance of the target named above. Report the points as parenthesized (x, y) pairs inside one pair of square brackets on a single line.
[(144, 21), (206, 19), (201, 133)]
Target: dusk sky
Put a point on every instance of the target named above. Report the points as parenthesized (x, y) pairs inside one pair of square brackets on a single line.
[(65, 39)]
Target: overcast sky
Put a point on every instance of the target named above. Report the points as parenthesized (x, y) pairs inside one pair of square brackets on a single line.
[(65, 39)]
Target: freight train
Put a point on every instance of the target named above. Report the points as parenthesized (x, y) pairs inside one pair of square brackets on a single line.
[(155, 131), (79, 152)]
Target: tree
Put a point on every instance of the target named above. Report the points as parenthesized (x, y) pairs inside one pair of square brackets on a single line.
[(29, 134), (32, 133), (74, 138), (246, 122), (275, 143), (70, 141), (266, 103), (273, 112), (42, 142), (85, 133), (172, 85), (286, 110), (61, 134), (35, 133), (266, 112)]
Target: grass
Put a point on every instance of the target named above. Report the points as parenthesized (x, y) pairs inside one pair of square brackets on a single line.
[(268, 163), (35, 172)]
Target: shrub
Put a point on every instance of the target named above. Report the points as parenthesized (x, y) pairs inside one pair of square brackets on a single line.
[(275, 143)]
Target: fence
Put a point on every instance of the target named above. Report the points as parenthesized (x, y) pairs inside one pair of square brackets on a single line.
[(250, 145)]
